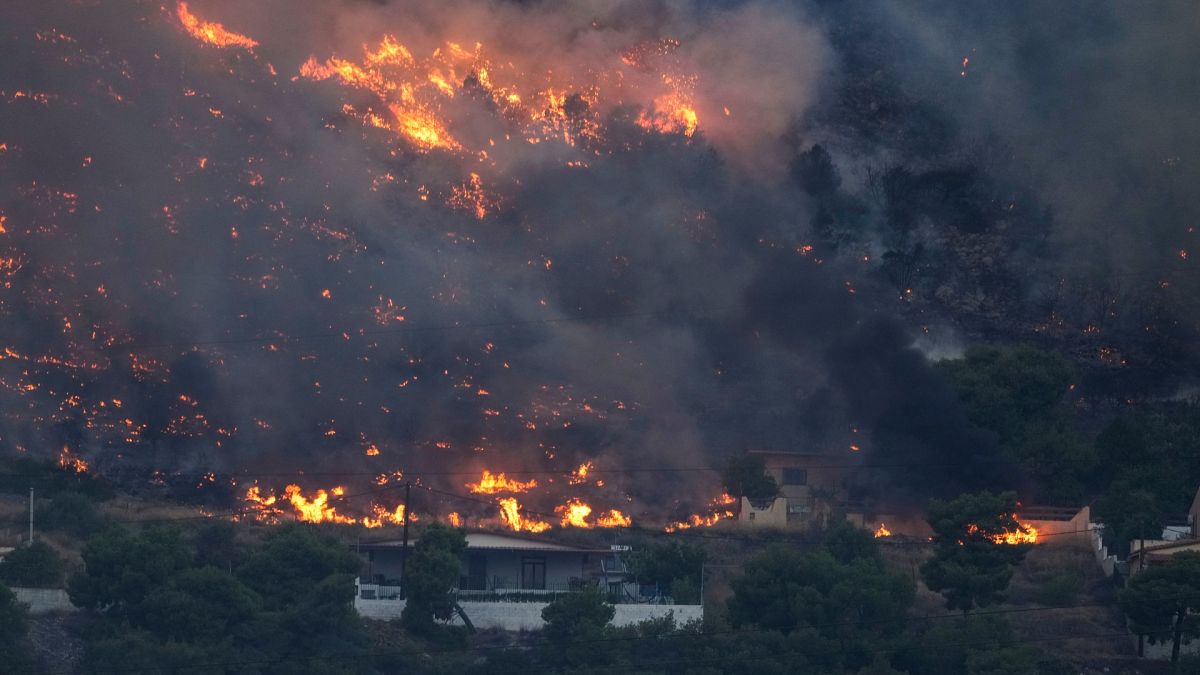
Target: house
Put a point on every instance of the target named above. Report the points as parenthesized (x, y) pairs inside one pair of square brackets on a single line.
[(811, 487), (1152, 552), (505, 581), (499, 563)]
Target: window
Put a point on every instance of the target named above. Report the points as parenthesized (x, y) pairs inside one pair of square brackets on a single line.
[(795, 477), (533, 574)]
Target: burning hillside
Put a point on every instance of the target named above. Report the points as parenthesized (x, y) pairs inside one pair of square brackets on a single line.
[(295, 254)]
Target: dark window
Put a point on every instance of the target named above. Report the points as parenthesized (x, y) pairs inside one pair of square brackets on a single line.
[(533, 573), (795, 477)]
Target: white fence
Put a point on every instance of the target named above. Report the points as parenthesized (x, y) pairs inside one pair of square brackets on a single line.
[(382, 604)]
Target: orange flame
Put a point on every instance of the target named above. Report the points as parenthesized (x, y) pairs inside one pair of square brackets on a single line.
[(580, 475), (317, 509), (882, 531), (1023, 534), (211, 33), (510, 513), (68, 461), (613, 518), (697, 520), (490, 484), (574, 513)]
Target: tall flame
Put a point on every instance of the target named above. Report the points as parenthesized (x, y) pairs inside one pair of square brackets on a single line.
[(510, 513)]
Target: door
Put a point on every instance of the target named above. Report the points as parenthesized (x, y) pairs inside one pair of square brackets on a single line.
[(476, 572), (533, 574)]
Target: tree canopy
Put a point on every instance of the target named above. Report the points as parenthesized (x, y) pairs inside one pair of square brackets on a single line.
[(431, 573), (1163, 602), (845, 605), (36, 566), (746, 475), (971, 564)]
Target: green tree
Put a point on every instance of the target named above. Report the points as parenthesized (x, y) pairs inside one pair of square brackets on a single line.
[(216, 544), (847, 605), (673, 565), (36, 566), (293, 559), (746, 475), (1130, 512), (197, 605), (575, 623), (122, 569), (14, 624), (1018, 395), (1164, 602), (72, 513), (971, 564), (815, 172), (847, 543), (432, 572)]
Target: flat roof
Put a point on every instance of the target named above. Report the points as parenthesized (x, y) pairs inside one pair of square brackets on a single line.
[(498, 542)]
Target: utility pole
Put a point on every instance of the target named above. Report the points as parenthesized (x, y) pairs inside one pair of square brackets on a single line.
[(30, 515), (404, 546)]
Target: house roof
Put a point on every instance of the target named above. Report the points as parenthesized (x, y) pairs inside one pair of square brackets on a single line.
[(498, 542), (1159, 547)]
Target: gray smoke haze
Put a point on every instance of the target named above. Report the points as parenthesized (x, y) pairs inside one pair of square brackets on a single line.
[(176, 214)]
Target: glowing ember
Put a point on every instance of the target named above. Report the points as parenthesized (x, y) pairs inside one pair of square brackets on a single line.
[(470, 197), (490, 484), (579, 476), (510, 513), (211, 33), (882, 531)]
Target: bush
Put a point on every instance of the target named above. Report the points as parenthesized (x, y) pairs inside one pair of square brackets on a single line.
[(72, 513), (1060, 589), (33, 566)]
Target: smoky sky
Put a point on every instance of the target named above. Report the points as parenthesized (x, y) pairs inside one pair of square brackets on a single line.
[(226, 254)]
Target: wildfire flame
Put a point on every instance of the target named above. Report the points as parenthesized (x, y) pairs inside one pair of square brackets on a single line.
[(579, 476), (510, 513), (317, 509), (211, 33), (68, 461), (1023, 534), (613, 518), (882, 531), (490, 484), (720, 512), (574, 513)]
